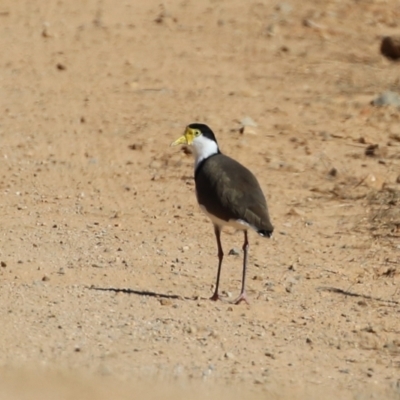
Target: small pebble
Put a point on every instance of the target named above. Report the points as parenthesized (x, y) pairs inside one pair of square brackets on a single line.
[(269, 354), (248, 121), (165, 302), (390, 47), (333, 172), (191, 330), (247, 130), (135, 146), (234, 252), (387, 98), (284, 8)]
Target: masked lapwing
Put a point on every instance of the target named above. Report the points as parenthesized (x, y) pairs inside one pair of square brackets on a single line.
[(227, 192)]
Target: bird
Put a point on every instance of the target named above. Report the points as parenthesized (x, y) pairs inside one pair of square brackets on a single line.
[(228, 193)]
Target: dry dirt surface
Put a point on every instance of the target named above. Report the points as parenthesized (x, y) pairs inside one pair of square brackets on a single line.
[(107, 263)]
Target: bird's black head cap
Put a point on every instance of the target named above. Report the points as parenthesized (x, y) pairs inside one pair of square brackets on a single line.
[(205, 130)]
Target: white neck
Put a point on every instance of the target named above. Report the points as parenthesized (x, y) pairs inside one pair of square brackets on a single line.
[(202, 149)]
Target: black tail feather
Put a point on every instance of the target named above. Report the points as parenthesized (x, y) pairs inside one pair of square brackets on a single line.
[(265, 232)]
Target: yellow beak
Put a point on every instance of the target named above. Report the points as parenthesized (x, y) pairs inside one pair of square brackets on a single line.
[(187, 138), (181, 140)]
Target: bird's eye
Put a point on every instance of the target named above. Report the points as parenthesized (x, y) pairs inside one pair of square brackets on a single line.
[(196, 133)]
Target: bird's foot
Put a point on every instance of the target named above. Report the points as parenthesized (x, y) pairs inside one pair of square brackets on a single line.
[(215, 297), (242, 297)]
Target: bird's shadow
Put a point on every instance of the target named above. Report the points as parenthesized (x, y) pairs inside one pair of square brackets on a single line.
[(353, 294), (147, 293)]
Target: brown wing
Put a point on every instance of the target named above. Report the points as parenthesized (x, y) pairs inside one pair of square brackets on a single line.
[(230, 191)]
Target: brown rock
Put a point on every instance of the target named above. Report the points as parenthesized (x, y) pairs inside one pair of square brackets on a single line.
[(390, 47), (374, 150)]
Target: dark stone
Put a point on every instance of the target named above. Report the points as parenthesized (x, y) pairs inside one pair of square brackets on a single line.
[(390, 47)]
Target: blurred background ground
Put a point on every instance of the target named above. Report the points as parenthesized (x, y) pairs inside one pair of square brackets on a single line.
[(106, 260)]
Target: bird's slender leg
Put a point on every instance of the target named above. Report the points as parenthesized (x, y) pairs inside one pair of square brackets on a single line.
[(242, 295), (217, 230)]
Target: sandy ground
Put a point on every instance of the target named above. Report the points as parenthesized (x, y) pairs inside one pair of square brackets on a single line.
[(106, 260)]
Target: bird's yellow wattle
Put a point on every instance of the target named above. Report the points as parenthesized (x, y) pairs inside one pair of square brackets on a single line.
[(187, 138)]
